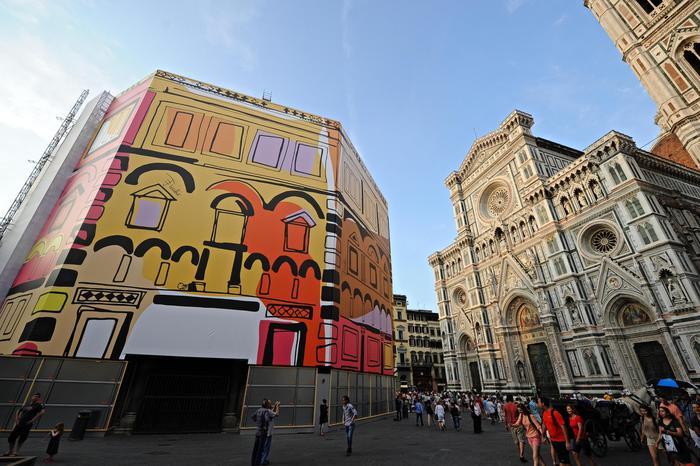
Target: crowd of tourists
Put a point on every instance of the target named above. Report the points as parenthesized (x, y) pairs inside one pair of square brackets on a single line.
[(668, 427)]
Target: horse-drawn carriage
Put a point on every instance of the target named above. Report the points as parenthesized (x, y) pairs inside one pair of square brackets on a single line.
[(605, 420)]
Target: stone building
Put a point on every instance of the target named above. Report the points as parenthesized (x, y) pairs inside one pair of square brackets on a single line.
[(660, 40), (418, 347), (571, 270)]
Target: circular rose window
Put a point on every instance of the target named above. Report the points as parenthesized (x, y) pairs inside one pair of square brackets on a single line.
[(495, 200), (498, 201), (603, 241)]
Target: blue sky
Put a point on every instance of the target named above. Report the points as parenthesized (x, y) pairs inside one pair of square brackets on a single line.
[(412, 82)]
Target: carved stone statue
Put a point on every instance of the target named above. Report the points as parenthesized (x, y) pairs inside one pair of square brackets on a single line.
[(597, 192), (675, 292), (580, 198)]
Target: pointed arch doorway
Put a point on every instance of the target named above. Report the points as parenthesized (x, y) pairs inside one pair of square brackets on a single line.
[(534, 341)]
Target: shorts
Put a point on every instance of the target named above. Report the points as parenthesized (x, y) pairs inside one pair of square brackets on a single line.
[(518, 434), (584, 445), (534, 442), (651, 441), (440, 417), (562, 452)]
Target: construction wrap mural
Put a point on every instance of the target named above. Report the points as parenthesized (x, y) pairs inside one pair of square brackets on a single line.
[(205, 223)]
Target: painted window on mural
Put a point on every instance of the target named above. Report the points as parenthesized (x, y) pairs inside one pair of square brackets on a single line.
[(112, 127), (224, 138), (353, 261), (296, 232), (230, 221), (10, 315), (179, 129), (149, 208), (308, 160), (268, 150), (96, 338)]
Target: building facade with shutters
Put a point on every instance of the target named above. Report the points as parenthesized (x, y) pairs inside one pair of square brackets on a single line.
[(660, 40), (418, 347), (571, 270)]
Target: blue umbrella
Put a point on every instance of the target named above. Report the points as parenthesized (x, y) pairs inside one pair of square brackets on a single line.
[(667, 383)]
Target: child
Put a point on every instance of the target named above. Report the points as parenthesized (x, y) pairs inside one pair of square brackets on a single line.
[(54, 440)]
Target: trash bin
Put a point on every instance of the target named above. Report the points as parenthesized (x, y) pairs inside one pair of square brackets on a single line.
[(80, 425)]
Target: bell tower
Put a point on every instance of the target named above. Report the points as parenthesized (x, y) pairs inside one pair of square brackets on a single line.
[(660, 40)]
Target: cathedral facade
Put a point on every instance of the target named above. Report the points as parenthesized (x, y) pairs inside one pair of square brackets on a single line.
[(571, 270)]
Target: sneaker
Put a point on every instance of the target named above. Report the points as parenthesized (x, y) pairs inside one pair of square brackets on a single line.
[(523, 460), (348, 452)]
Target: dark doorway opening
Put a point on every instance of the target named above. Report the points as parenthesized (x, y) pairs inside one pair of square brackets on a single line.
[(653, 360), (545, 380), (476, 378), (177, 395)]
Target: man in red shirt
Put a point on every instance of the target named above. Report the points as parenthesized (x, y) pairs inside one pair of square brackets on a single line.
[(553, 423), (518, 433)]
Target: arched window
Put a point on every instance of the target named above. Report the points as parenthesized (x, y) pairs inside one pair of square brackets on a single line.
[(523, 230), (634, 207), (647, 233), (492, 247), (485, 250), (691, 54), (613, 174), (620, 172), (230, 219), (649, 5), (411, 341), (696, 348), (459, 264), (513, 234), (476, 252)]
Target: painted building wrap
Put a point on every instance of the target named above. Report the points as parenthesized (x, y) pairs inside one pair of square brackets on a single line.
[(206, 223)]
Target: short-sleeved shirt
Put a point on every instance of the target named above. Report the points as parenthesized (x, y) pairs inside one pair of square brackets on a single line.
[(263, 420), (349, 412), (555, 425), (29, 412), (574, 421), (695, 422), (511, 411), (419, 407)]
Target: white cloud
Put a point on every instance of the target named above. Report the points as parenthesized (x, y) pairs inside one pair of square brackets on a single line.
[(513, 5), (560, 20), (345, 28), (39, 83), (220, 29)]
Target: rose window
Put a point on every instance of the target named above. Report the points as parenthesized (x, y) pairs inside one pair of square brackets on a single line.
[(603, 241), (498, 201)]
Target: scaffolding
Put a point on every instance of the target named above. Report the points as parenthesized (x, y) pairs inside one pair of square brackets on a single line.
[(66, 125)]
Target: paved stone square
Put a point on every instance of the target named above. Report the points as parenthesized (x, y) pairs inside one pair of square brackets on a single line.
[(378, 442)]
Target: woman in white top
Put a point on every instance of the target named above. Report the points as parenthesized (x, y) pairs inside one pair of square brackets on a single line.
[(440, 415)]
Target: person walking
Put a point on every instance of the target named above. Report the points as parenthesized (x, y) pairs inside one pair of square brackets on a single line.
[(419, 412), (405, 403), (533, 433), (510, 416), (476, 416), (24, 420), (456, 415), (349, 417), (323, 418), (580, 441), (695, 424), (54, 442), (429, 411), (398, 404), (263, 418), (649, 433), (671, 437), (553, 423), (440, 415)]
